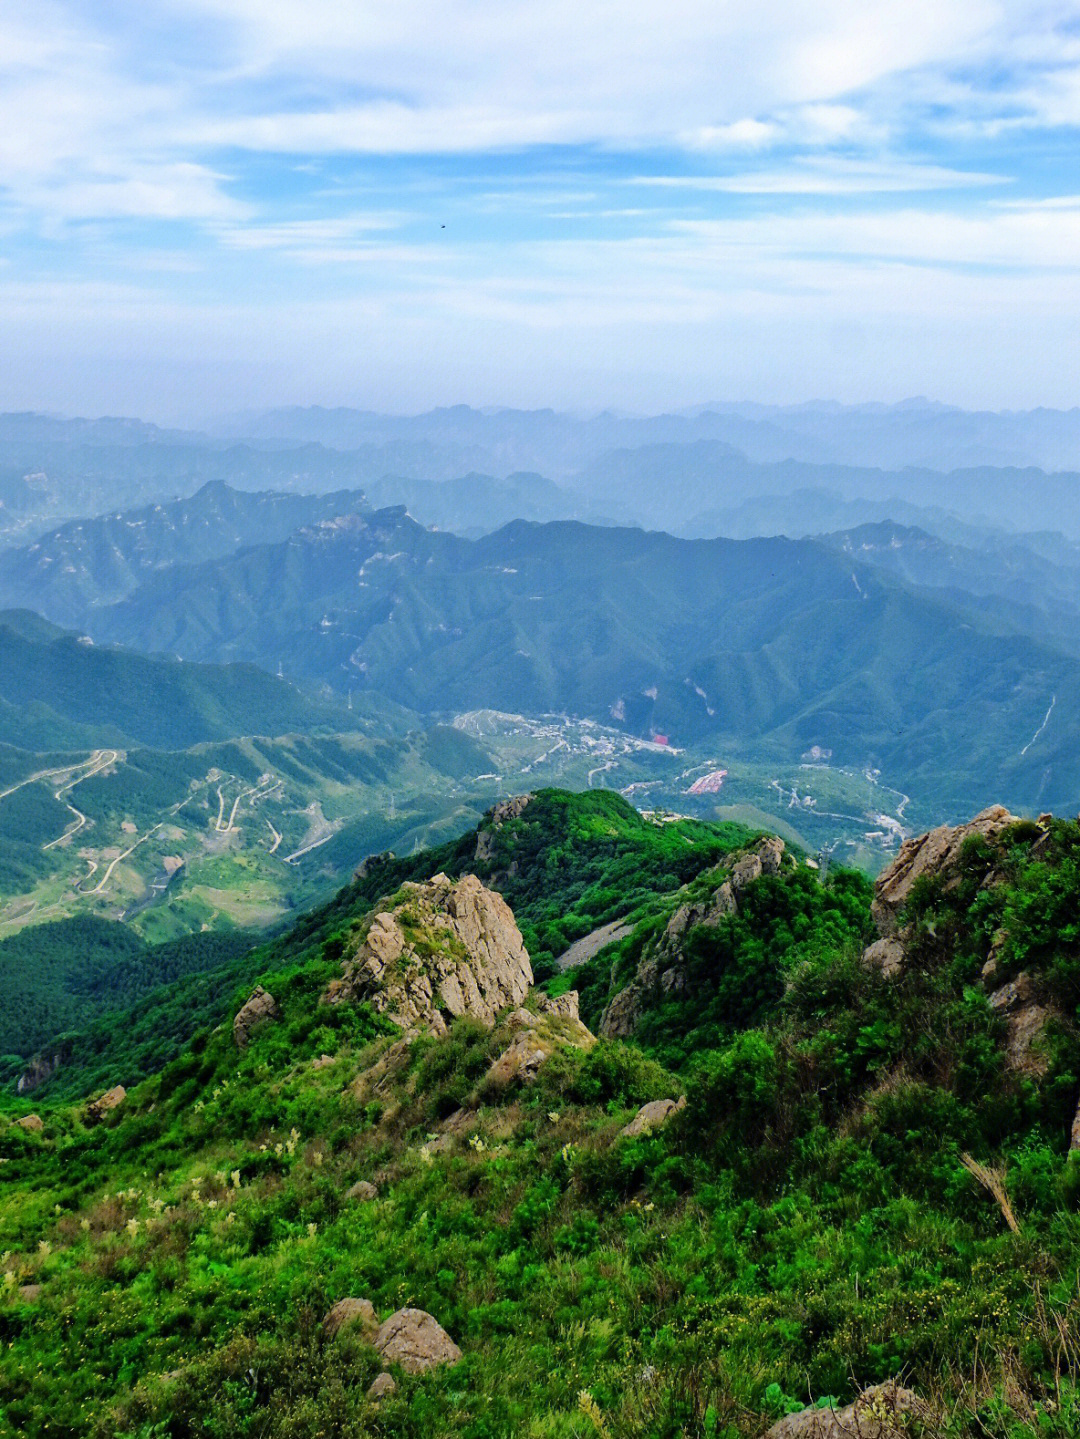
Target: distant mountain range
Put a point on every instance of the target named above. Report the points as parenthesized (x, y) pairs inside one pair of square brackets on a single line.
[(771, 643)]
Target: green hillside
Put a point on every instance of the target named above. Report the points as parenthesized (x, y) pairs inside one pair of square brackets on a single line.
[(869, 1181)]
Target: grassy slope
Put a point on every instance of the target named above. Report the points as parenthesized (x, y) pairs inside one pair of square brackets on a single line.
[(805, 1226)]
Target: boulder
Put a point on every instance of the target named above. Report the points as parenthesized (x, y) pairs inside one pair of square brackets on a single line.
[(363, 1191), (446, 949), (98, 1108), (351, 1313), (259, 1009), (883, 1412), (885, 955), (929, 854), (382, 1385), (32, 1122), (652, 1116), (620, 1017), (416, 1341)]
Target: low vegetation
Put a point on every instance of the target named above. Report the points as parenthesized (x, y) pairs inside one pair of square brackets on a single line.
[(861, 1186)]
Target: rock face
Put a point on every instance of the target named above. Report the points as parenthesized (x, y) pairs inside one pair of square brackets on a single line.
[(1027, 1019), (416, 1341), (661, 970), (97, 1109), (349, 1313), (883, 1412), (260, 1009), (42, 1067), (536, 1037), (929, 854), (652, 1116), (446, 949)]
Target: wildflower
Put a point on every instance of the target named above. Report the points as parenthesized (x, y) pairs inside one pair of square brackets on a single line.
[(477, 1143), (44, 1248), (317, 1158), (9, 1278), (553, 1115), (56, 1209), (211, 1204), (84, 1225), (425, 1154), (294, 1135), (196, 1183), (157, 1205), (235, 1177), (567, 1153), (279, 1149), (230, 1218), (198, 1105), (216, 1094), (649, 1207), (132, 1227), (311, 1229)]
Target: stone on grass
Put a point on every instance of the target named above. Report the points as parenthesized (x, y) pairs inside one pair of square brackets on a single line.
[(415, 1340)]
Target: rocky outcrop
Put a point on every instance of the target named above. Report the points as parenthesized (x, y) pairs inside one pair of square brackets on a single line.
[(351, 1314), (536, 1037), (884, 1412), (652, 1116), (98, 1108), (502, 813), (42, 1067), (416, 1341), (31, 1122), (661, 971), (261, 1008), (444, 950), (930, 855), (886, 955)]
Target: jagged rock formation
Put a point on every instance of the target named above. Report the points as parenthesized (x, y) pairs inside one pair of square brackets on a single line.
[(937, 855), (652, 1116), (445, 949), (416, 1341), (884, 1412), (536, 1037), (260, 1008), (502, 813), (661, 968), (929, 854), (98, 1108)]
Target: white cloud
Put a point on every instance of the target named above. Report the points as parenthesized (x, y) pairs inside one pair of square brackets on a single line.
[(830, 177)]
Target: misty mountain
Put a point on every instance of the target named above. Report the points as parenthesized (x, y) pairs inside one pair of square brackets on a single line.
[(773, 643)]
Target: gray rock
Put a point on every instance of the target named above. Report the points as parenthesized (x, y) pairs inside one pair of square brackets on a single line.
[(416, 1341), (363, 1191), (885, 955), (652, 1116), (382, 1385), (351, 1313), (883, 1412), (259, 1009)]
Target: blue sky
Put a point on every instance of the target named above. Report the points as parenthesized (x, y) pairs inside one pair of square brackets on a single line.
[(221, 203)]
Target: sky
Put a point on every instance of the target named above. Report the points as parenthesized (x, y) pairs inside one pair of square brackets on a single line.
[(221, 204)]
